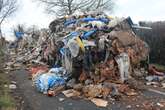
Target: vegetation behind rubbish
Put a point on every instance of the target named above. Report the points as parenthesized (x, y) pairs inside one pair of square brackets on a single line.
[(155, 39)]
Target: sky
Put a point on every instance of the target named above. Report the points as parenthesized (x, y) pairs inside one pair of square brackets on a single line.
[(32, 13)]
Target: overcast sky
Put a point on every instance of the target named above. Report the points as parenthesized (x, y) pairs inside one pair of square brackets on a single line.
[(31, 13)]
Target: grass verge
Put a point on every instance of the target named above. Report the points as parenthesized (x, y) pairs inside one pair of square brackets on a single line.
[(6, 100), (160, 67)]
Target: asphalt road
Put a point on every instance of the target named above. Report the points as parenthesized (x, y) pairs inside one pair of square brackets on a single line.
[(37, 101)]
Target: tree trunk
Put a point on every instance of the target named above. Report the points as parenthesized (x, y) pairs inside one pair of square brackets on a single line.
[(1, 38), (0, 32)]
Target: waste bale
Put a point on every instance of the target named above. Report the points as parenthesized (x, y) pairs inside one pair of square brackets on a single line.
[(44, 82)]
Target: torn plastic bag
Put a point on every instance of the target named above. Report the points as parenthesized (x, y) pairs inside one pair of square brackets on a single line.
[(101, 44), (123, 62), (155, 78), (80, 43), (62, 51), (99, 24), (73, 47), (115, 21), (19, 35), (57, 71), (70, 36), (88, 34), (105, 20), (46, 81), (68, 22), (87, 60), (67, 60), (89, 43), (88, 19)]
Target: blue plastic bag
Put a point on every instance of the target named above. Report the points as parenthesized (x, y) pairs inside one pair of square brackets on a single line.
[(88, 34), (19, 35), (88, 19), (103, 20), (46, 81), (70, 36), (68, 22)]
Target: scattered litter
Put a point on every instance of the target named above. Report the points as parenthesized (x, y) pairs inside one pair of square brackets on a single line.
[(71, 93), (131, 93), (61, 99), (99, 102), (13, 82), (160, 105), (93, 91), (5, 85), (128, 106), (44, 82), (163, 85), (155, 78), (152, 83), (12, 86)]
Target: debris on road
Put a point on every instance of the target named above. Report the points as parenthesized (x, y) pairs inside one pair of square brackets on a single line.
[(12, 86), (43, 82), (71, 93), (99, 102)]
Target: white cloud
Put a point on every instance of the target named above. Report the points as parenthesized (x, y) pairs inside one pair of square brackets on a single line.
[(150, 10)]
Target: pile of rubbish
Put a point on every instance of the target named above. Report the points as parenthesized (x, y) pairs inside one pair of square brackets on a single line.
[(90, 55)]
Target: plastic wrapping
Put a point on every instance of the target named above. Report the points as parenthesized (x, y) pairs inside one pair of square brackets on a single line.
[(44, 82), (123, 62)]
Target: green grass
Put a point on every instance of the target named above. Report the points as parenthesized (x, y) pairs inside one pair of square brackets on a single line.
[(160, 67), (6, 100), (1, 52)]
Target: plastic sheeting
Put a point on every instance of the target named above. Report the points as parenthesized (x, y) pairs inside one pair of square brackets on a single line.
[(88, 34), (67, 61), (46, 81), (73, 47), (123, 62), (57, 71)]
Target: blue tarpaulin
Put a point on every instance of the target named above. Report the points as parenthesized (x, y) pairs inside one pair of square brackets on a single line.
[(105, 20), (70, 36), (70, 22), (88, 34), (73, 21), (47, 81), (88, 19), (94, 19), (19, 34)]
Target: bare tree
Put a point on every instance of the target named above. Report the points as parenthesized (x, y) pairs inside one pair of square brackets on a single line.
[(68, 7), (7, 7)]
